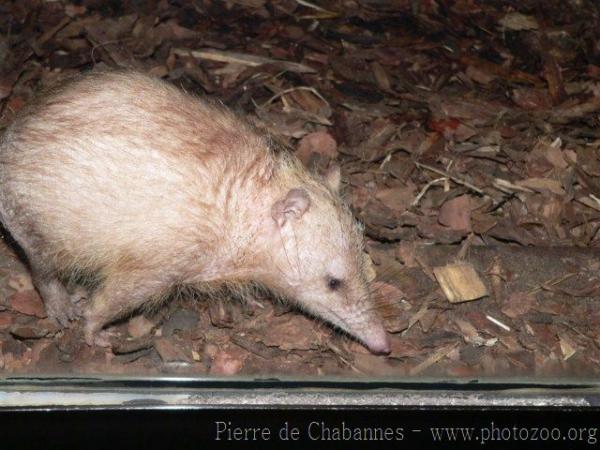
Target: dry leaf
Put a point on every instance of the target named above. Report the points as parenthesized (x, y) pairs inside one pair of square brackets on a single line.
[(518, 304), (228, 362), (456, 213), (542, 184), (29, 303), (479, 75), (319, 142), (398, 199), (532, 99), (291, 333), (517, 22), (554, 154)]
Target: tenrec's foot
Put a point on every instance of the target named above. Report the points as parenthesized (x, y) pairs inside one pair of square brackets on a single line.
[(95, 337)]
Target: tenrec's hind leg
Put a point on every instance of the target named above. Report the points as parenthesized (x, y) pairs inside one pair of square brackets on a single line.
[(121, 293), (56, 298)]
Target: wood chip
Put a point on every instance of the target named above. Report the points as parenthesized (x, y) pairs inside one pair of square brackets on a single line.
[(169, 352), (567, 347), (211, 54), (460, 282), (497, 322), (435, 357), (28, 303)]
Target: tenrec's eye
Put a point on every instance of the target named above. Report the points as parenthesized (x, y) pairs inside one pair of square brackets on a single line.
[(333, 283)]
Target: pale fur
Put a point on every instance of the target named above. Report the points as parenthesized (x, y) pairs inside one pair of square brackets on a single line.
[(127, 178)]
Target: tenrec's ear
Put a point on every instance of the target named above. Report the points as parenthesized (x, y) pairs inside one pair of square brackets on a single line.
[(333, 178), (295, 203)]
